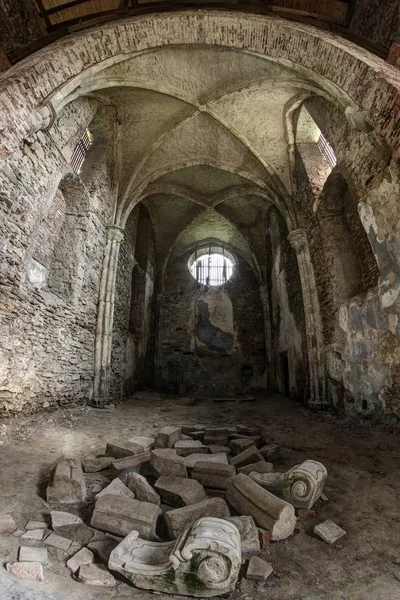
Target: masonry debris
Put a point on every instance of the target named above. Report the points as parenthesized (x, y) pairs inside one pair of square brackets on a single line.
[(173, 513)]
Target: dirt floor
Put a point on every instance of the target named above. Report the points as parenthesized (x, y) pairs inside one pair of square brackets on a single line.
[(363, 490)]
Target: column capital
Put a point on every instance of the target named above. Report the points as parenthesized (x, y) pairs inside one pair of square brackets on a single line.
[(298, 239), (114, 232)]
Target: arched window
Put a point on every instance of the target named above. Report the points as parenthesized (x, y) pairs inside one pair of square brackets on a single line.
[(211, 266)]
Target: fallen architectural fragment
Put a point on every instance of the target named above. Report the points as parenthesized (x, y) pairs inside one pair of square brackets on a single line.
[(179, 491), (165, 461), (83, 557), (167, 437), (301, 486), (249, 535), (28, 570), (192, 459), (213, 475), (238, 445), (248, 456), (259, 467), (329, 531), (216, 435), (32, 554), (93, 465), (138, 463), (61, 519), (186, 447), (271, 452), (141, 489), (117, 488), (179, 519), (94, 574), (67, 483), (268, 511), (102, 549), (258, 569), (57, 541), (123, 450), (204, 561), (120, 515)]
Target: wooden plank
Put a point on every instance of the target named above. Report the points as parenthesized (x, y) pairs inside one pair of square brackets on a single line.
[(43, 12), (334, 11), (61, 7)]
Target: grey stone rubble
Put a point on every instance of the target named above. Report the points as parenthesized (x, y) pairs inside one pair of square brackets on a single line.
[(214, 475), (237, 446), (167, 437), (58, 541), (249, 536), (116, 488), (138, 463), (93, 574), (67, 485), (165, 461), (27, 570), (178, 519), (216, 435), (186, 447), (33, 554), (33, 534), (258, 569), (247, 457), (192, 459), (7, 524), (120, 515), (93, 465), (179, 491), (117, 450), (35, 525), (142, 489), (329, 531), (61, 519), (102, 549), (83, 557)]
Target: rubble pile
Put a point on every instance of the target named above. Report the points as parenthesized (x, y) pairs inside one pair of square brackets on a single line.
[(178, 513)]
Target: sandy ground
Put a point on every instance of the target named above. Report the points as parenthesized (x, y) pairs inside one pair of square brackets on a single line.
[(363, 490)]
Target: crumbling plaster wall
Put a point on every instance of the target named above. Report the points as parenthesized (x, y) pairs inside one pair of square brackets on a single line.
[(213, 334), (377, 20), (47, 336), (361, 333), (286, 309)]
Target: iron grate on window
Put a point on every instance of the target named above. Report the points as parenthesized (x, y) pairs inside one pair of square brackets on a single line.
[(79, 153), (326, 150), (212, 269)]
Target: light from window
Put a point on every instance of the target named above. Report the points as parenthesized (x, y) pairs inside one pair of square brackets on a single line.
[(79, 153), (326, 150), (212, 269)]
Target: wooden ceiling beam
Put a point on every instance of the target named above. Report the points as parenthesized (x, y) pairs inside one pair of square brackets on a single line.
[(61, 7)]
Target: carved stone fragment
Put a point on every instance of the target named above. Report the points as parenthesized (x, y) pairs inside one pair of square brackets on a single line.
[(179, 519), (120, 515), (67, 484)]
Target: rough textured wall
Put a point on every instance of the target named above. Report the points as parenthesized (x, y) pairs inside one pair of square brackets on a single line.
[(214, 337), (20, 24), (53, 231), (286, 310), (377, 20)]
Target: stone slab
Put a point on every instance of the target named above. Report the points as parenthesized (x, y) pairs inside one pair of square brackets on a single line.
[(146, 442), (119, 450), (238, 445), (192, 459), (165, 461), (61, 518), (102, 549), (249, 536), (218, 449), (7, 524), (167, 437), (27, 570), (258, 569), (260, 466), (56, 541), (179, 491), (179, 519), (67, 483), (97, 575), (132, 464), (329, 531), (116, 488), (93, 465), (35, 525), (248, 456), (33, 554), (271, 453), (142, 489), (120, 515), (213, 474), (187, 447), (83, 557), (216, 435), (33, 534)]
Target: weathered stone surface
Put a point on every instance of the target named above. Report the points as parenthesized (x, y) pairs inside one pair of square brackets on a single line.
[(213, 475), (249, 536), (179, 491), (142, 489), (265, 538), (102, 549), (251, 455), (116, 488), (7, 524), (28, 570), (302, 485), (33, 554), (216, 435), (146, 442), (259, 467), (33, 534), (192, 459), (120, 515), (248, 430), (186, 447), (177, 520), (64, 519), (132, 464), (218, 449), (35, 525), (268, 511), (94, 574), (123, 450), (93, 465), (197, 435), (165, 461), (83, 557), (256, 440), (329, 531), (57, 541), (258, 569), (237, 446), (167, 437), (67, 484), (269, 481), (271, 453)]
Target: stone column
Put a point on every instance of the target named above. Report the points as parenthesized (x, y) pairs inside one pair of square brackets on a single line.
[(269, 350), (105, 316), (298, 240)]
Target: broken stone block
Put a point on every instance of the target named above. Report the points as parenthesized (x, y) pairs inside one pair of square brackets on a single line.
[(102, 549), (271, 453), (237, 446), (60, 519), (116, 488), (204, 561), (28, 570), (265, 538), (67, 484), (192, 459), (179, 519), (120, 515), (249, 536), (132, 464), (269, 481), (268, 511), (56, 541), (83, 557), (165, 461), (329, 531), (259, 467), (35, 525), (216, 435), (94, 574), (218, 449), (256, 440), (167, 437), (178, 491), (197, 435), (142, 489), (248, 430), (186, 447), (93, 465), (302, 485), (33, 534), (7, 524), (258, 569), (33, 554), (146, 442), (123, 450), (213, 475), (251, 455)]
